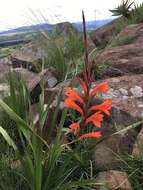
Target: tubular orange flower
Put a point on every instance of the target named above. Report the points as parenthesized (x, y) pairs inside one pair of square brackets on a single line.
[(70, 104), (96, 119), (104, 107), (74, 126), (73, 95), (83, 85), (100, 88), (90, 113), (91, 135)]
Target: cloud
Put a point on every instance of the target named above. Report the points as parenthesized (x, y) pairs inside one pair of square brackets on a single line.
[(15, 13)]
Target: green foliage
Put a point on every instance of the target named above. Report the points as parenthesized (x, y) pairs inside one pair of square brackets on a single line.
[(57, 60), (10, 179), (123, 9), (63, 53), (137, 14), (134, 168), (44, 163), (122, 41)]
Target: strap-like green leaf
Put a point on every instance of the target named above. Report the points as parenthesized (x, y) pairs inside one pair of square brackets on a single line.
[(7, 138)]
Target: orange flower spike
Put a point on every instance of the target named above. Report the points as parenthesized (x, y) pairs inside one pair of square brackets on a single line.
[(104, 107), (83, 85), (91, 135), (74, 126), (70, 93), (70, 104), (96, 119), (100, 88)]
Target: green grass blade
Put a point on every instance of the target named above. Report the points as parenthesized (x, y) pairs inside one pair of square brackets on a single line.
[(81, 183), (7, 138), (128, 128), (27, 131)]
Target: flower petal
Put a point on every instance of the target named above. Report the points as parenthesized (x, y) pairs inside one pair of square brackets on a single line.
[(72, 94), (74, 126), (91, 135), (96, 119), (104, 107), (100, 88), (70, 104)]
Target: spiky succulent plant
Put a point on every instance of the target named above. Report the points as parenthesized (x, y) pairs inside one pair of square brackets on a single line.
[(123, 9)]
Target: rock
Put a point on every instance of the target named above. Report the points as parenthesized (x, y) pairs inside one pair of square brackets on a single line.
[(137, 91), (29, 53), (138, 146), (130, 34), (64, 28), (127, 94), (5, 66), (114, 180), (30, 56), (33, 81), (103, 35), (24, 74), (122, 60), (127, 97), (107, 154), (47, 75), (52, 81), (56, 90), (127, 55)]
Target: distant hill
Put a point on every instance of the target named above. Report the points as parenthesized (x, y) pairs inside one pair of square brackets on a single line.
[(31, 28), (91, 25)]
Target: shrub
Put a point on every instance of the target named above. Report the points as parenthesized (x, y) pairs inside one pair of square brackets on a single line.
[(123, 9)]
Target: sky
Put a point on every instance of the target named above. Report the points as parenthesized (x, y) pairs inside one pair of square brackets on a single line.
[(15, 13)]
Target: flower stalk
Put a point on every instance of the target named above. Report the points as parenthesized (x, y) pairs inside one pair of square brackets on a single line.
[(89, 114)]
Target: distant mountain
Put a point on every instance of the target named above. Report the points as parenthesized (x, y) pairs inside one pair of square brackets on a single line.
[(31, 28), (91, 25)]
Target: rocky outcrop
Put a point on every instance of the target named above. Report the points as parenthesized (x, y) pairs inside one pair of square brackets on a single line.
[(130, 34), (114, 180), (127, 95), (33, 81), (64, 29), (5, 66), (29, 56), (127, 56), (103, 35), (138, 146)]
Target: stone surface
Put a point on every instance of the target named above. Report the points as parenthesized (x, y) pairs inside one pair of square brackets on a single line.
[(127, 97), (28, 53), (102, 36), (130, 34), (121, 60), (127, 94), (127, 55), (56, 90), (26, 75), (64, 28), (138, 146), (114, 180), (5, 66), (47, 75), (107, 153)]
